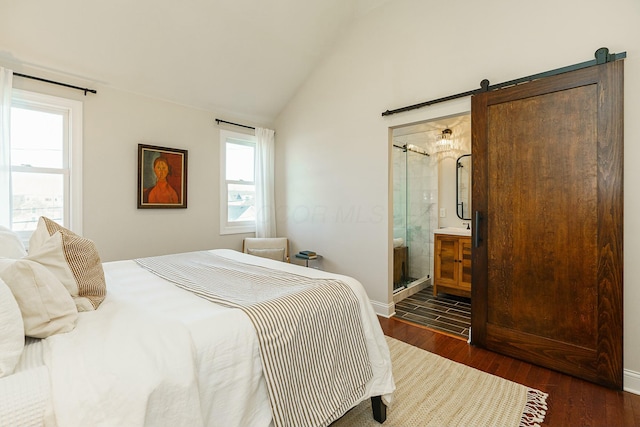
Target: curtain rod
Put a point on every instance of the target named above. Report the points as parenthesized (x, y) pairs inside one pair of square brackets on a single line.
[(602, 56), (218, 121), (84, 89)]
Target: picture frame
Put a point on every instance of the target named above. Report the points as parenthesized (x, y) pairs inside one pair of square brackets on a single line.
[(162, 177)]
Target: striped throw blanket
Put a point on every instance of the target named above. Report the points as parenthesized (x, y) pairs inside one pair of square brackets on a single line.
[(313, 348)]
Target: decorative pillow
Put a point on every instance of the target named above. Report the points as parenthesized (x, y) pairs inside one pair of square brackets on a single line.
[(11, 331), (73, 259), (45, 229), (10, 244), (46, 306), (276, 254)]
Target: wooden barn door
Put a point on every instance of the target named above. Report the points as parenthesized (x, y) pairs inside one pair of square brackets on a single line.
[(547, 189)]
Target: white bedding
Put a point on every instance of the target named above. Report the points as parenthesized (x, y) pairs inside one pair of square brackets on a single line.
[(156, 355), (25, 399), (25, 396)]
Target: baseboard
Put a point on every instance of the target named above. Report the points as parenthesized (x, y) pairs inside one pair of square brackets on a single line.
[(631, 381), (384, 310)]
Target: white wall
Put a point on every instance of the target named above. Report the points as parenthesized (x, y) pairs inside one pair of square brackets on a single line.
[(333, 149), (115, 122)]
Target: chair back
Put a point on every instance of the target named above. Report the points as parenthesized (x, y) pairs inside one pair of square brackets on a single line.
[(276, 248)]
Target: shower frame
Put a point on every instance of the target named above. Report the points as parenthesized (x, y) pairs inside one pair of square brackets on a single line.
[(415, 195)]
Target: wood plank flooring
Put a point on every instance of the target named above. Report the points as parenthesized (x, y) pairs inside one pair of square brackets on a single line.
[(571, 402), (445, 313)]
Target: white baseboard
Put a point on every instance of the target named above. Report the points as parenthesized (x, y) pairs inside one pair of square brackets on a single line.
[(384, 310), (631, 381)]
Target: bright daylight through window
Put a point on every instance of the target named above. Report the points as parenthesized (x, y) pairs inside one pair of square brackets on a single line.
[(45, 169), (237, 204)]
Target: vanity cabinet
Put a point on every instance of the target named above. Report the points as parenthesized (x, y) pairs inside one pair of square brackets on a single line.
[(452, 269)]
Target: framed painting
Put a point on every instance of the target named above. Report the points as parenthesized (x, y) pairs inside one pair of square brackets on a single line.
[(162, 177)]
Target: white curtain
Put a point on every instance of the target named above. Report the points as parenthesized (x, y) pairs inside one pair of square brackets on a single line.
[(264, 179), (6, 80)]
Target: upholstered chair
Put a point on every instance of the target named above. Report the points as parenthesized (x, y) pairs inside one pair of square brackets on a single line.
[(276, 248)]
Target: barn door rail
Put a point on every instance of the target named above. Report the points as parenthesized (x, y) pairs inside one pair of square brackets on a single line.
[(602, 56)]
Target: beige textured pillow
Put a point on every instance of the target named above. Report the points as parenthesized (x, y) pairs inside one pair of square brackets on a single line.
[(45, 304), (73, 259), (11, 331), (276, 254)]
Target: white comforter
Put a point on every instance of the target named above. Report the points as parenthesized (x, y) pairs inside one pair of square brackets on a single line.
[(156, 355)]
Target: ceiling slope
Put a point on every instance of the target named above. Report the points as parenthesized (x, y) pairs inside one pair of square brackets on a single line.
[(246, 57)]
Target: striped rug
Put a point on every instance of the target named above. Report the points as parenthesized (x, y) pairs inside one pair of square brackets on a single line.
[(435, 391)]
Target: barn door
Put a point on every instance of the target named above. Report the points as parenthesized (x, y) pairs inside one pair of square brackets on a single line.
[(547, 193)]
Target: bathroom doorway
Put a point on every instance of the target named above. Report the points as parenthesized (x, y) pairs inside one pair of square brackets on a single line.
[(424, 159)]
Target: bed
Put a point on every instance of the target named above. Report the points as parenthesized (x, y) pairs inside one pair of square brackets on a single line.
[(156, 354)]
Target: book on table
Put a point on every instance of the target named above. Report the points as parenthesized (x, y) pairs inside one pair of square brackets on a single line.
[(306, 255)]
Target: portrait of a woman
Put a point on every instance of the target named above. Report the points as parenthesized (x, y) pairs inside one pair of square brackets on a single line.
[(162, 192), (161, 177)]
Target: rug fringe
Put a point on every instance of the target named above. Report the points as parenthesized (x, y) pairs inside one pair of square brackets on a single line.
[(535, 409)]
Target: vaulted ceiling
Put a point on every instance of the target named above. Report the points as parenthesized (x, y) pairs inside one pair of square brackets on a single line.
[(245, 57)]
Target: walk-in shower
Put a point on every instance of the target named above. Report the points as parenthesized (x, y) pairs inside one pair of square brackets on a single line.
[(415, 198)]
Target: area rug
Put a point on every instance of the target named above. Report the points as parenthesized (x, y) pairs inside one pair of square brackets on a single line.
[(434, 391)]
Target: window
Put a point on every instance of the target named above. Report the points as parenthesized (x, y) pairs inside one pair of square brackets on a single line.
[(238, 190), (46, 162)]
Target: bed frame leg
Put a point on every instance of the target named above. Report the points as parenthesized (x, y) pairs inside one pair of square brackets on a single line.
[(379, 409)]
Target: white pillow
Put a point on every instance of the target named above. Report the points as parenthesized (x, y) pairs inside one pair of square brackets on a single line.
[(45, 304), (10, 244), (41, 234), (11, 331), (73, 259)]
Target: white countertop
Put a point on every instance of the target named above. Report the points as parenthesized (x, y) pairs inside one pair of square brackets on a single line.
[(456, 231)]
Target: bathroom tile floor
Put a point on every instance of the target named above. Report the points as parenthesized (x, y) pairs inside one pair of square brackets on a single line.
[(445, 313)]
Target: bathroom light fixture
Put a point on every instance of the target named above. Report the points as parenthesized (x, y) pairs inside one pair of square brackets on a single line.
[(446, 146), (446, 142)]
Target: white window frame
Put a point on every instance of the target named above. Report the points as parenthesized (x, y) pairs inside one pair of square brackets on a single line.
[(236, 227), (72, 162)]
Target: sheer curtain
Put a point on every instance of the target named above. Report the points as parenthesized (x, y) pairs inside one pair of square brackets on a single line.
[(6, 80), (264, 179)]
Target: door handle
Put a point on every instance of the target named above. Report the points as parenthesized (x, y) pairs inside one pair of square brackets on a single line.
[(476, 229)]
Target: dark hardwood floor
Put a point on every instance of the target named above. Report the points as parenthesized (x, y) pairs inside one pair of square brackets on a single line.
[(571, 402)]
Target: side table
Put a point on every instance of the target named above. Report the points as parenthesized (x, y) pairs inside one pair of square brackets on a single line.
[(306, 259)]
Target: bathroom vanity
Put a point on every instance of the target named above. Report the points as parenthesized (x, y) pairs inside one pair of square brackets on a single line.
[(452, 262)]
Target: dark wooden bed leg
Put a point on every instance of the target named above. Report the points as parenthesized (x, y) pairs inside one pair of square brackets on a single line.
[(379, 409)]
